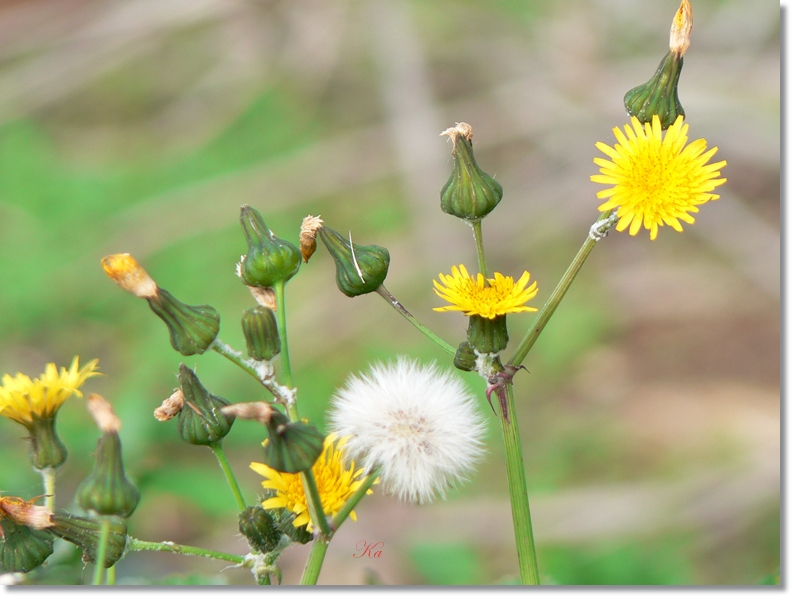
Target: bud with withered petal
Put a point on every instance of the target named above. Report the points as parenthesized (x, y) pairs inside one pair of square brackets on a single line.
[(360, 269), (659, 95), (22, 548), (107, 491), (470, 193), (308, 229), (192, 328), (261, 333), (487, 335), (292, 447), (259, 528), (269, 259), (85, 533), (201, 421)]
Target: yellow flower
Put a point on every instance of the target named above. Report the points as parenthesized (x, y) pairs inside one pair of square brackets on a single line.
[(335, 483), (23, 399), (657, 180), (502, 295)]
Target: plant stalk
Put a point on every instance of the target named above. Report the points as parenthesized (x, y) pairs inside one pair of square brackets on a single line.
[(217, 448), (314, 564), (482, 262), (104, 534), (48, 475), (281, 317), (383, 292), (549, 307), (138, 545)]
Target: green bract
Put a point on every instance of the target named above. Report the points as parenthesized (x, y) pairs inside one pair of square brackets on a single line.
[(292, 447), (21, 548), (658, 95), (192, 329), (200, 421), (107, 490), (269, 259), (261, 333), (360, 269)]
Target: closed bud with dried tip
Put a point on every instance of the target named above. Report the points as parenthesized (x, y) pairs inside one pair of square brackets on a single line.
[(659, 95), (310, 226), (470, 193), (292, 447), (201, 421), (360, 269), (269, 259), (465, 357), (192, 328), (107, 490), (25, 541), (261, 333)]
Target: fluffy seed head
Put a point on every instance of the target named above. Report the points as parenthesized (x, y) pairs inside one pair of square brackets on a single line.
[(419, 424)]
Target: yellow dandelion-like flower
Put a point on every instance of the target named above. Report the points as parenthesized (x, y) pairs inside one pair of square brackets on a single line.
[(499, 296), (335, 482), (657, 179), (23, 399)]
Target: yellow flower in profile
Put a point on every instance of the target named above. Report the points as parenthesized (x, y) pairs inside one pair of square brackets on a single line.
[(335, 482), (23, 399), (657, 180), (501, 295)]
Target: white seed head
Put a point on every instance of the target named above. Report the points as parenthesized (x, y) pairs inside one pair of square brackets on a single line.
[(418, 423)]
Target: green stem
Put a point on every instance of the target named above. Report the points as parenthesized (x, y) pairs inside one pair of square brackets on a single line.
[(383, 292), (217, 448), (315, 509), (111, 575), (549, 308), (353, 500), (138, 545), (314, 564), (101, 551), (284, 338), (518, 493), (235, 357), (482, 263), (48, 474)]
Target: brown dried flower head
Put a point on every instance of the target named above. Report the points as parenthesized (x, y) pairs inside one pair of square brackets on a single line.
[(125, 271), (170, 407), (310, 226)]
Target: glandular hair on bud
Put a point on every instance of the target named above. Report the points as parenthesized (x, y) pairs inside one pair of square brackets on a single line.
[(125, 271), (310, 226)]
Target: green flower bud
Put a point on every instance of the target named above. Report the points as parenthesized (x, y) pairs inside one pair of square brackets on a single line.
[(259, 527), (487, 335), (292, 447), (46, 449), (360, 269), (470, 193), (200, 422), (22, 548), (85, 532), (284, 519), (658, 96), (269, 259), (261, 333), (107, 491), (192, 329), (465, 357)]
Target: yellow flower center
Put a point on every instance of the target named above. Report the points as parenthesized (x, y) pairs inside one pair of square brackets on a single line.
[(491, 298)]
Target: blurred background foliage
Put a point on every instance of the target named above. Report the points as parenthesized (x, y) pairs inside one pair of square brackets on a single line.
[(650, 415)]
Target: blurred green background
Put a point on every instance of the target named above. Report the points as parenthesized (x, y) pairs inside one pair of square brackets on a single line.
[(650, 416)]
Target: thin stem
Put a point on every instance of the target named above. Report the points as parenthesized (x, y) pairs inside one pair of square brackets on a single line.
[(111, 575), (48, 475), (235, 357), (101, 551), (284, 338), (482, 263), (138, 545), (353, 500), (315, 509), (217, 448), (314, 564), (383, 292), (549, 307), (518, 493)]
